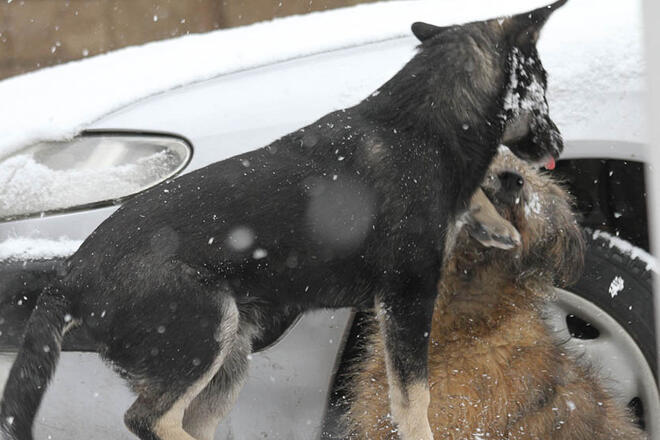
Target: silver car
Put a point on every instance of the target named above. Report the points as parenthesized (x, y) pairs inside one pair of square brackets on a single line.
[(55, 191)]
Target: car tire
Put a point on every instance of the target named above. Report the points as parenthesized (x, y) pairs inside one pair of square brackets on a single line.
[(607, 318), (608, 259)]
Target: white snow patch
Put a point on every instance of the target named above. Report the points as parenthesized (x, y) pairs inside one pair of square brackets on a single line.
[(585, 62), (27, 186), (22, 248), (533, 205), (478, 435), (512, 98), (535, 95), (616, 286), (629, 249), (503, 149)]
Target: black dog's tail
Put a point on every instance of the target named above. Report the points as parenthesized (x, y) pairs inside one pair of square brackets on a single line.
[(35, 364)]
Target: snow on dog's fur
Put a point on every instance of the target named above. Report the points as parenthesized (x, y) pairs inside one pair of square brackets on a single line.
[(495, 369)]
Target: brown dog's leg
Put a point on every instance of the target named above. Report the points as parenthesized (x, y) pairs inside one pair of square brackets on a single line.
[(487, 226)]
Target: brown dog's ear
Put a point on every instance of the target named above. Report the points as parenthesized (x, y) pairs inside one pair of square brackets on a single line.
[(524, 29), (424, 31), (567, 253)]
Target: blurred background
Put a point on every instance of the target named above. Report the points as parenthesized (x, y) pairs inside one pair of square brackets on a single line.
[(40, 33)]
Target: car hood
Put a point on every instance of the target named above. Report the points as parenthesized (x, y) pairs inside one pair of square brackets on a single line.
[(592, 51)]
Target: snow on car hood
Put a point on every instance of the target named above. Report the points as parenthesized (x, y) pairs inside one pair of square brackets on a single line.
[(591, 49), (22, 248)]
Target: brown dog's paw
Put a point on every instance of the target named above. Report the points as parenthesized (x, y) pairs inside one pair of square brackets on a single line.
[(485, 225)]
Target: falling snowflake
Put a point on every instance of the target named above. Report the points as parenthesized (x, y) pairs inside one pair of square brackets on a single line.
[(259, 253), (240, 238)]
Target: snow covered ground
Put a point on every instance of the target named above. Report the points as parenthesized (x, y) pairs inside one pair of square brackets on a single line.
[(589, 47)]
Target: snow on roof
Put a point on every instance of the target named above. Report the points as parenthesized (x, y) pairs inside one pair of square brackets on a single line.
[(588, 46)]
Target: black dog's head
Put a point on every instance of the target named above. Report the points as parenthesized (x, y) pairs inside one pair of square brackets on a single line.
[(504, 62)]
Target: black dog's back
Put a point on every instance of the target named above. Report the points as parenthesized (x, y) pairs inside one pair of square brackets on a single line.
[(282, 223)]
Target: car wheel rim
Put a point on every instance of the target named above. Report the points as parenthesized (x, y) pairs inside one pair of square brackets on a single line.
[(611, 350)]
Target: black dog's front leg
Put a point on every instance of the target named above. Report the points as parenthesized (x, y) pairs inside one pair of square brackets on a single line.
[(405, 316)]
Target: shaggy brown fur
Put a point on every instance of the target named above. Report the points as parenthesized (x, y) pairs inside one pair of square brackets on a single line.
[(495, 370)]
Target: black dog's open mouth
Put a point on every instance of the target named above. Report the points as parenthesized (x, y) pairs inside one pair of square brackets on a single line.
[(541, 146), (548, 162)]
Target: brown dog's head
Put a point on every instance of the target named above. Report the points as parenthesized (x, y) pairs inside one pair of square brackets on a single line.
[(552, 245)]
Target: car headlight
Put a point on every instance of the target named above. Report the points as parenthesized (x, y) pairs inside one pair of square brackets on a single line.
[(92, 170)]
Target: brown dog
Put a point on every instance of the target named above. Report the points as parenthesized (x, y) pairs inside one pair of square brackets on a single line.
[(495, 370)]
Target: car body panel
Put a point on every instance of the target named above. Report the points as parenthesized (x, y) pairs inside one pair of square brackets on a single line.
[(285, 396)]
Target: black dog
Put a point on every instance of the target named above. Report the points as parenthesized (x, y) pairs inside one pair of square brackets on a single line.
[(351, 210)]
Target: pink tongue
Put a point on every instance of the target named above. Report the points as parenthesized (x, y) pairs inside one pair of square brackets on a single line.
[(550, 165)]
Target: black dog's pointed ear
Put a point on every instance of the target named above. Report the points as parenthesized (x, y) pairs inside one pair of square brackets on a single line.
[(525, 28), (424, 31)]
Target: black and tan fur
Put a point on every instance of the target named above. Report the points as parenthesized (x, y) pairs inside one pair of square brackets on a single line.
[(351, 210), (495, 369)]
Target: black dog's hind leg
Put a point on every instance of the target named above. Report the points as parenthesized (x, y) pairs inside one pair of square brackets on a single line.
[(405, 322), (209, 408), (158, 412)]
